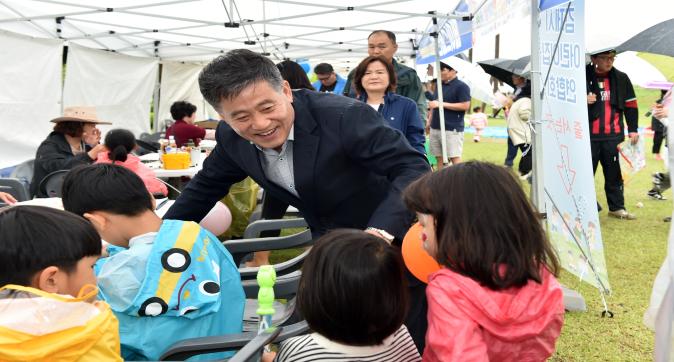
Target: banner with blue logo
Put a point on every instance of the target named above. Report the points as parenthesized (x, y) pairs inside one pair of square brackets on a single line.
[(570, 197), (454, 37), (547, 4)]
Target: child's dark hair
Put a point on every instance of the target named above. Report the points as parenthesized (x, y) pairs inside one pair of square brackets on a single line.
[(353, 290), (182, 109), (35, 237), (475, 110), (120, 142), (105, 187), (507, 248)]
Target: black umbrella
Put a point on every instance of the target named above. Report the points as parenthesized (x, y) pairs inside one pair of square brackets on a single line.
[(658, 39), (503, 69), (522, 67)]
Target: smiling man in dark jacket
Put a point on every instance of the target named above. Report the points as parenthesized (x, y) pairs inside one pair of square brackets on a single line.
[(331, 157)]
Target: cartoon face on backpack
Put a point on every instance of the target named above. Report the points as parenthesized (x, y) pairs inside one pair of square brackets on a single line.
[(183, 277)]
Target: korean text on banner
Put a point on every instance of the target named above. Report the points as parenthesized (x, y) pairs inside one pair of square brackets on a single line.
[(454, 37), (570, 196)]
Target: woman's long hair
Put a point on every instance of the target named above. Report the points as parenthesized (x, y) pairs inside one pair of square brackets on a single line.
[(295, 75)]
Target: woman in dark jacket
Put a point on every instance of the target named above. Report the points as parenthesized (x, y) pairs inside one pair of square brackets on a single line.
[(74, 141), (375, 81)]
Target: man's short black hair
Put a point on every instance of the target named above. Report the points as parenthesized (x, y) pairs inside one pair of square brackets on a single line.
[(33, 238), (228, 75), (353, 289), (323, 68), (105, 187), (182, 109), (389, 34)]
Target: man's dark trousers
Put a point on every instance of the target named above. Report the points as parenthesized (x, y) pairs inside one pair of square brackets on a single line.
[(606, 153)]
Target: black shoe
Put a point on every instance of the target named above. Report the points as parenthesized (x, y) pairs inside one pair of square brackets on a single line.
[(656, 195)]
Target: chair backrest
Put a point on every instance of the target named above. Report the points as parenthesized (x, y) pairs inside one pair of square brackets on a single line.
[(51, 184), (14, 187), (231, 342), (150, 137), (145, 147), (24, 172)]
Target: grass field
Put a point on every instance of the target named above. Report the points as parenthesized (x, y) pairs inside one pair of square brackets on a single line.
[(634, 251)]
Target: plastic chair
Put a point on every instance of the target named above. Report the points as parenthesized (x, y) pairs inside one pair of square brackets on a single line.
[(14, 187), (239, 248), (145, 147), (24, 172), (51, 184), (250, 343)]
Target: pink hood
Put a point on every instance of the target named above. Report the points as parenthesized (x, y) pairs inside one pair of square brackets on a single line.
[(134, 164), (469, 322)]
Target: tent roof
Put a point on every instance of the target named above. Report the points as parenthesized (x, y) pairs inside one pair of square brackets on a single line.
[(198, 30), (332, 31)]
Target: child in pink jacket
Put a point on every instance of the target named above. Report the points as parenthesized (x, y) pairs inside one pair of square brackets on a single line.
[(478, 120), (496, 297), (120, 143)]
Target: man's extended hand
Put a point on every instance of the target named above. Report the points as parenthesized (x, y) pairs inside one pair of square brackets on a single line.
[(433, 104), (378, 233), (634, 137)]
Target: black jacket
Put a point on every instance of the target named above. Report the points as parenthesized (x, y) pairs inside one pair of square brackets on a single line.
[(55, 154), (622, 92), (349, 168)]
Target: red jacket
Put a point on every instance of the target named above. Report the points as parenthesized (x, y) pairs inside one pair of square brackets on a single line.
[(134, 164), (469, 322)]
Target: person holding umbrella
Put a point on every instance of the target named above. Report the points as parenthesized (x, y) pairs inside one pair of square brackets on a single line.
[(610, 97)]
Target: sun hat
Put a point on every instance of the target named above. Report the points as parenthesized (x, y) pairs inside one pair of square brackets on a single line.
[(79, 114)]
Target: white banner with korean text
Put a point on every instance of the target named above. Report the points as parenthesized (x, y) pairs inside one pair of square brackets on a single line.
[(570, 197)]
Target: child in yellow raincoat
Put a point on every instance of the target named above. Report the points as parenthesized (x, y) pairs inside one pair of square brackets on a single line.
[(47, 283)]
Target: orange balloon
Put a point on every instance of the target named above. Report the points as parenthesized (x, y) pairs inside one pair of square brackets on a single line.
[(419, 263)]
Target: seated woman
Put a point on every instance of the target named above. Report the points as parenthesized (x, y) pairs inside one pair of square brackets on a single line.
[(375, 81), (120, 142), (74, 141), (184, 130)]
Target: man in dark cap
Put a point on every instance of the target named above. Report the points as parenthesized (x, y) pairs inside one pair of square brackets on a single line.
[(456, 101), (610, 97)]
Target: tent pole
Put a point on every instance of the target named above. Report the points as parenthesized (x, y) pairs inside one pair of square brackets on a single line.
[(22, 17), (537, 190), (155, 100), (438, 85)]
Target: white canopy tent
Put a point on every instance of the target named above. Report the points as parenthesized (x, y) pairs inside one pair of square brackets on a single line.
[(124, 43)]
